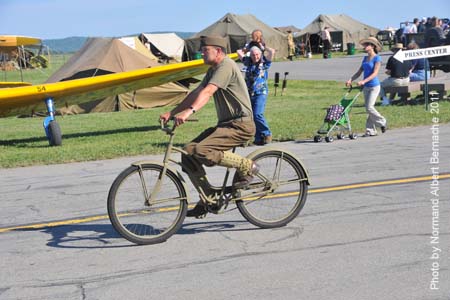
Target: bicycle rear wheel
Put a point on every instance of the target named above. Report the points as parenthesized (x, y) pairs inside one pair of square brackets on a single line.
[(129, 212), (281, 197)]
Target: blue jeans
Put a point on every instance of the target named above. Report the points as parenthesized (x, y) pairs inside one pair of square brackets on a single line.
[(418, 75), (258, 106)]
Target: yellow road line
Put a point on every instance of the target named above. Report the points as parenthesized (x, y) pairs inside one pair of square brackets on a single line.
[(55, 224), (67, 222), (378, 183), (311, 191)]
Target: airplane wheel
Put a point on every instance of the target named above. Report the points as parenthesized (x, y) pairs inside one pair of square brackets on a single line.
[(340, 136), (353, 136), (317, 138), (55, 136), (329, 139)]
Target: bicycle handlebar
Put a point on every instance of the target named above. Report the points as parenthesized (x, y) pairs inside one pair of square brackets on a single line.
[(167, 129)]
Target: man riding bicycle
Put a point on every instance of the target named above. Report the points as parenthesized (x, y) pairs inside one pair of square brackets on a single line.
[(225, 83)]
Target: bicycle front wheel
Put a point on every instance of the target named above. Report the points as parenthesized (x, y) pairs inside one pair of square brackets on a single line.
[(137, 220), (278, 196)]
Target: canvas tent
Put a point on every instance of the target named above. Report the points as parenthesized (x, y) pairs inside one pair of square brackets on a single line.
[(134, 43), (166, 46), (285, 29), (100, 56), (237, 29), (343, 30)]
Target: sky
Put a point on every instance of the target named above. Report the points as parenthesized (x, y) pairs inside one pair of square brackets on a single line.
[(54, 19)]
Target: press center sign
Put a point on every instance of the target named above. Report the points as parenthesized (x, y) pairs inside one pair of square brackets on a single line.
[(422, 53)]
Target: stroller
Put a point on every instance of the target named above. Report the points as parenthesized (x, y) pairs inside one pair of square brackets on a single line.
[(337, 119)]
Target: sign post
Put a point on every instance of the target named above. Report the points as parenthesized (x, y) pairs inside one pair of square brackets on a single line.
[(423, 53)]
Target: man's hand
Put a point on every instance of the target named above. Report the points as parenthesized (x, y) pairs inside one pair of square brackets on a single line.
[(182, 117), (165, 117)]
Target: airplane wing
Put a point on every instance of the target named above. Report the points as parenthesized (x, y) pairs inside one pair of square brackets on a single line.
[(7, 84), (93, 88), (98, 87)]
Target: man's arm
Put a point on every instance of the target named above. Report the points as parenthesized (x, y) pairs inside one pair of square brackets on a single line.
[(192, 104), (186, 103), (389, 66)]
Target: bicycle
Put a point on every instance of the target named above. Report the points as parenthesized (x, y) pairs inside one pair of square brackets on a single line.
[(148, 201)]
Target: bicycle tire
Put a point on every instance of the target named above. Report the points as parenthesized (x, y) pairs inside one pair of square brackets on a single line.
[(281, 206), (137, 222)]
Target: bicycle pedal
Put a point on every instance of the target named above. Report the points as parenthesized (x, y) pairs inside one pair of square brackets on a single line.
[(201, 216)]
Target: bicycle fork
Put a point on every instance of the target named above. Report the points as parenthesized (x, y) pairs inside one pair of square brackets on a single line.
[(149, 199)]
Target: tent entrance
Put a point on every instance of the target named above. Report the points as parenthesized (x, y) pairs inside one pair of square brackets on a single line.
[(317, 45)]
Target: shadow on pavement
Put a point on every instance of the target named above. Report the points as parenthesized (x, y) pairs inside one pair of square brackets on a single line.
[(95, 236)]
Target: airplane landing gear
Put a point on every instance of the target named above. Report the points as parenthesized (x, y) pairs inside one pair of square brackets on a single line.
[(52, 129)]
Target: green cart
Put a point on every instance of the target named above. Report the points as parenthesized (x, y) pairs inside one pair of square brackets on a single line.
[(338, 119)]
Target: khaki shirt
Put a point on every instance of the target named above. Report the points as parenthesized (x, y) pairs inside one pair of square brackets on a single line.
[(231, 99)]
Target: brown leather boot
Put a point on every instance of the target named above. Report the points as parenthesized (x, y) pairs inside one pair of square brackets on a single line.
[(244, 179)]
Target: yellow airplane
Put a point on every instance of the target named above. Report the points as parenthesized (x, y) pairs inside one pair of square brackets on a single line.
[(92, 88), (4, 84)]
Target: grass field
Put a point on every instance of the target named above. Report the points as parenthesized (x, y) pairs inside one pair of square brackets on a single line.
[(296, 115)]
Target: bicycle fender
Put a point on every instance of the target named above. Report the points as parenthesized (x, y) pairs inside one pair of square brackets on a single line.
[(269, 148), (145, 162), (178, 174)]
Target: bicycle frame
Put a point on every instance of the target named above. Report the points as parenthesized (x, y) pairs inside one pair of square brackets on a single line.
[(209, 194), (281, 183)]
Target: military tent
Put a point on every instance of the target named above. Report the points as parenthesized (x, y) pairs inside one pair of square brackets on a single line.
[(285, 29), (100, 56), (343, 30), (237, 29), (136, 44), (166, 46)]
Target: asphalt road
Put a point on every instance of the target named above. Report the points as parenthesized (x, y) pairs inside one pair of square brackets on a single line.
[(366, 241), (338, 69)]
